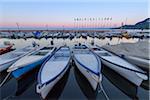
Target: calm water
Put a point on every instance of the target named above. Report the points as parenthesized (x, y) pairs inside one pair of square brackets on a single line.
[(73, 85)]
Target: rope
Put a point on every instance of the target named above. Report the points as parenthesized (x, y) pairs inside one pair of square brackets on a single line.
[(5, 79), (101, 87)]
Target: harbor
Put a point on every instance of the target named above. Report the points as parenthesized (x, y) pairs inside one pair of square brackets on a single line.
[(73, 83), (74, 50)]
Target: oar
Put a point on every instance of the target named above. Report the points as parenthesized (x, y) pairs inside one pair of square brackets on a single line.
[(5, 79)]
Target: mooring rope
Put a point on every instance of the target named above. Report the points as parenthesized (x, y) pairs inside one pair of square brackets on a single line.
[(5, 79), (101, 87)]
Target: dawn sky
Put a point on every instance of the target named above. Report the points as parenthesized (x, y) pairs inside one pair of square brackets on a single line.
[(56, 13)]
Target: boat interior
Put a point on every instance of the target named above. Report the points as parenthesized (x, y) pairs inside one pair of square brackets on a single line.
[(101, 52), (80, 46), (82, 51), (62, 54), (96, 49), (11, 56), (43, 51), (64, 49), (26, 49), (47, 48)]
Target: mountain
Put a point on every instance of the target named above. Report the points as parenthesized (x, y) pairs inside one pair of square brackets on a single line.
[(145, 24)]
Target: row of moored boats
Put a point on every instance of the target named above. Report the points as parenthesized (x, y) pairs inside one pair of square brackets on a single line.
[(56, 61)]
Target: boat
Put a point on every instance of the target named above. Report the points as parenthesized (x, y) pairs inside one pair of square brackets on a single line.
[(30, 61), (6, 60), (53, 70), (88, 64), (121, 66), (141, 62), (5, 48)]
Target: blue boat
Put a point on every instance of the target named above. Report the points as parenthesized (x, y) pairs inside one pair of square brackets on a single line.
[(30, 61)]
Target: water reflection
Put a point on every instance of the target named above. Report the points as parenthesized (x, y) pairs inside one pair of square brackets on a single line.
[(145, 84), (85, 85), (25, 82), (121, 83), (26, 85), (3, 76), (55, 93)]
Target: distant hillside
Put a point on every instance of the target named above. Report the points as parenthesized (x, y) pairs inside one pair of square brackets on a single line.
[(145, 24)]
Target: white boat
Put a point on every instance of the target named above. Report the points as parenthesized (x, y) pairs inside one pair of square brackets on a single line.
[(53, 70), (6, 60), (88, 64), (30, 61), (143, 63), (124, 68)]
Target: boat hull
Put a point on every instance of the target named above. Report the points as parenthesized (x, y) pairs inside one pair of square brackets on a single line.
[(143, 63), (48, 87), (129, 75), (23, 70), (90, 76)]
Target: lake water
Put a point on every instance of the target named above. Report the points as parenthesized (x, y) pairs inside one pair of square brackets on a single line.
[(73, 85)]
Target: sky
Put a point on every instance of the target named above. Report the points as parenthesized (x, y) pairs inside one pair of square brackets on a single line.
[(62, 13)]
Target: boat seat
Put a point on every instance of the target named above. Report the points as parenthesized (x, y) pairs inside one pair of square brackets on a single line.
[(41, 53), (13, 55), (47, 48), (98, 49), (44, 50), (104, 54), (64, 49), (80, 47), (61, 54)]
